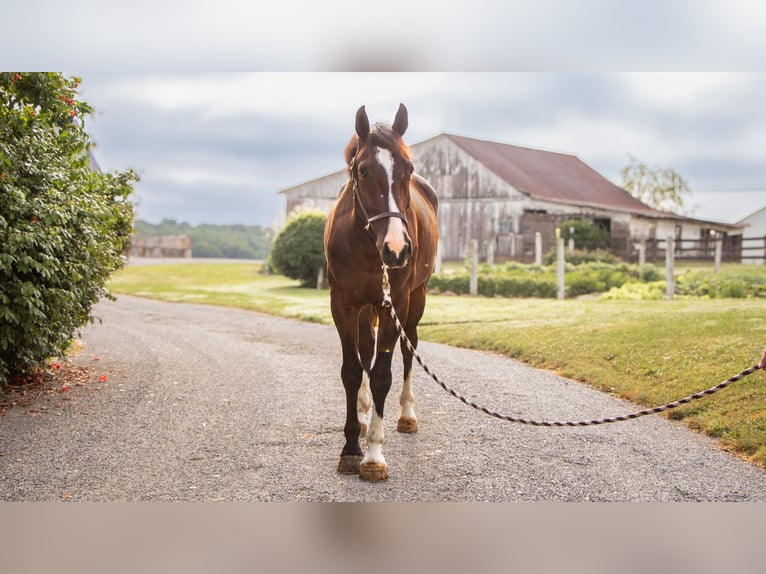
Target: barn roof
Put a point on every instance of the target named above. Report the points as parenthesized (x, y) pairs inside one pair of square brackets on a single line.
[(553, 176)]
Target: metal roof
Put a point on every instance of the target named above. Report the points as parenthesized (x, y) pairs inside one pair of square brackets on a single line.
[(553, 176)]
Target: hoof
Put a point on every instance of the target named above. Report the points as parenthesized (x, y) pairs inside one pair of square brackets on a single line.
[(373, 471), (407, 424), (362, 429), (349, 463)]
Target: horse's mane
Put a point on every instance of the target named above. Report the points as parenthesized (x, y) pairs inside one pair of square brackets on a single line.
[(384, 137)]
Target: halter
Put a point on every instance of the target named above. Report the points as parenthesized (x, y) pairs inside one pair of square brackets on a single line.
[(369, 220)]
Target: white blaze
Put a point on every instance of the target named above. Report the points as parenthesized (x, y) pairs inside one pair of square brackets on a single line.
[(395, 232)]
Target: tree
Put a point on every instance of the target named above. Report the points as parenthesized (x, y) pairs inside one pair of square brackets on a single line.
[(298, 250), (63, 226), (658, 187)]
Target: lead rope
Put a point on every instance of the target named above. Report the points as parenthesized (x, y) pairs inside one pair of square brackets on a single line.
[(403, 336)]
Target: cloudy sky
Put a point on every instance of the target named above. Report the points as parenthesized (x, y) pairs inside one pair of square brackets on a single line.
[(215, 145), (217, 148)]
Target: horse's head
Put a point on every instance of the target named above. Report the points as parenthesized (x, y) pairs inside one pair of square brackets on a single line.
[(380, 167)]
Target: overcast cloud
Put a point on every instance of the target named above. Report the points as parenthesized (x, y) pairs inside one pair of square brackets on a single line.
[(217, 148)]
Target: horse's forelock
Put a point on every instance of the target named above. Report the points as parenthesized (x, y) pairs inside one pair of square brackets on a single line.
[(381, 136), (385, 137)]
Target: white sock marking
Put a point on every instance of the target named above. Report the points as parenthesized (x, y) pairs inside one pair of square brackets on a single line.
[(364, 399), (407, 398), (375, 440)]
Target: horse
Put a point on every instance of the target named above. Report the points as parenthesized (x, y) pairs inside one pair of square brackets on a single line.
[(385, 215)]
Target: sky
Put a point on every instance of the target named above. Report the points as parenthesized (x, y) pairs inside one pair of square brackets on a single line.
[(213, 144), (218, 147)]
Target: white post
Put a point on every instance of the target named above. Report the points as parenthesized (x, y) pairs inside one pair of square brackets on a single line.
[(670, 268), (642, 252), (320, 277), (473, 286), (438, 263), (718, 252), (538, 248), (491, 252), (560, 293)]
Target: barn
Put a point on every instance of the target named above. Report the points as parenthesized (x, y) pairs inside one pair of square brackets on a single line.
[(503, 194), (754, 245)]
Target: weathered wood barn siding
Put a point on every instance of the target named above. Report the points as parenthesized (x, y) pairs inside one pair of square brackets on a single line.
[(320, 193), (476, 203), (473, 201)]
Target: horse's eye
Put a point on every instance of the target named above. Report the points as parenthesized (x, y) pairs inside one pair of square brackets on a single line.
[(363, 171)]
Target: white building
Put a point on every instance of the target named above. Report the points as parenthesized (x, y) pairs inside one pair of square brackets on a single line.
[(754, 237)]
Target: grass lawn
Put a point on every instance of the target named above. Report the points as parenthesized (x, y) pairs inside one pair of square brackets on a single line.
[(651, 352)]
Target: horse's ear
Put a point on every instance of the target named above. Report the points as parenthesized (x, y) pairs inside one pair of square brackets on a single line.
[(362, 123), (400, 121)]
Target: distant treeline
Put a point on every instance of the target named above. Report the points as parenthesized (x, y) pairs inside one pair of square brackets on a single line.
[(225, 241)]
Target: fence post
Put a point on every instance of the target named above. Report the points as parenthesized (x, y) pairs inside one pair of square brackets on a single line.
[(538, 248), (473, 286), (642, 252), (320, 277), (491, 252), (718, 250), (560, 292), (438, 263), (670, 268)]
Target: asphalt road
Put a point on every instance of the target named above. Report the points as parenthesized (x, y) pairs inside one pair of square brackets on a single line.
[(210, 404)]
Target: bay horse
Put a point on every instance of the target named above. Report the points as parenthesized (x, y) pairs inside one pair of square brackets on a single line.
[(385, 215)]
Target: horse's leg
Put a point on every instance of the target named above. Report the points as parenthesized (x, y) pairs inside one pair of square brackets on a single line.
[(408, 422), (373, 466), (351, 375), (368, 325)]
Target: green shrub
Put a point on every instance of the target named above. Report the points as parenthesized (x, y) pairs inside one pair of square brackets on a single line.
[(458, 284), (520, 280), (579, 256), (587, 237), (655, 290), (63, 226), (737, 285), (298, 250)]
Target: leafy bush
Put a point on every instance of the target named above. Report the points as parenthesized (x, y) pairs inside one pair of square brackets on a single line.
[(579, 256), (654, 290), (519, 280), (587, 236), (298, 250), (738, 285), (63, 226)]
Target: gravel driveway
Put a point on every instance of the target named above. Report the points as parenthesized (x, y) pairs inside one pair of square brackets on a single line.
[(210, 404)]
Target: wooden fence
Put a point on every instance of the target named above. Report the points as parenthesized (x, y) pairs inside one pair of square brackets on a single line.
[(729, 249)]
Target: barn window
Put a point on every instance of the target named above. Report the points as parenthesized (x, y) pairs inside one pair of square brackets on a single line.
[(505, 227), (603, 223)]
